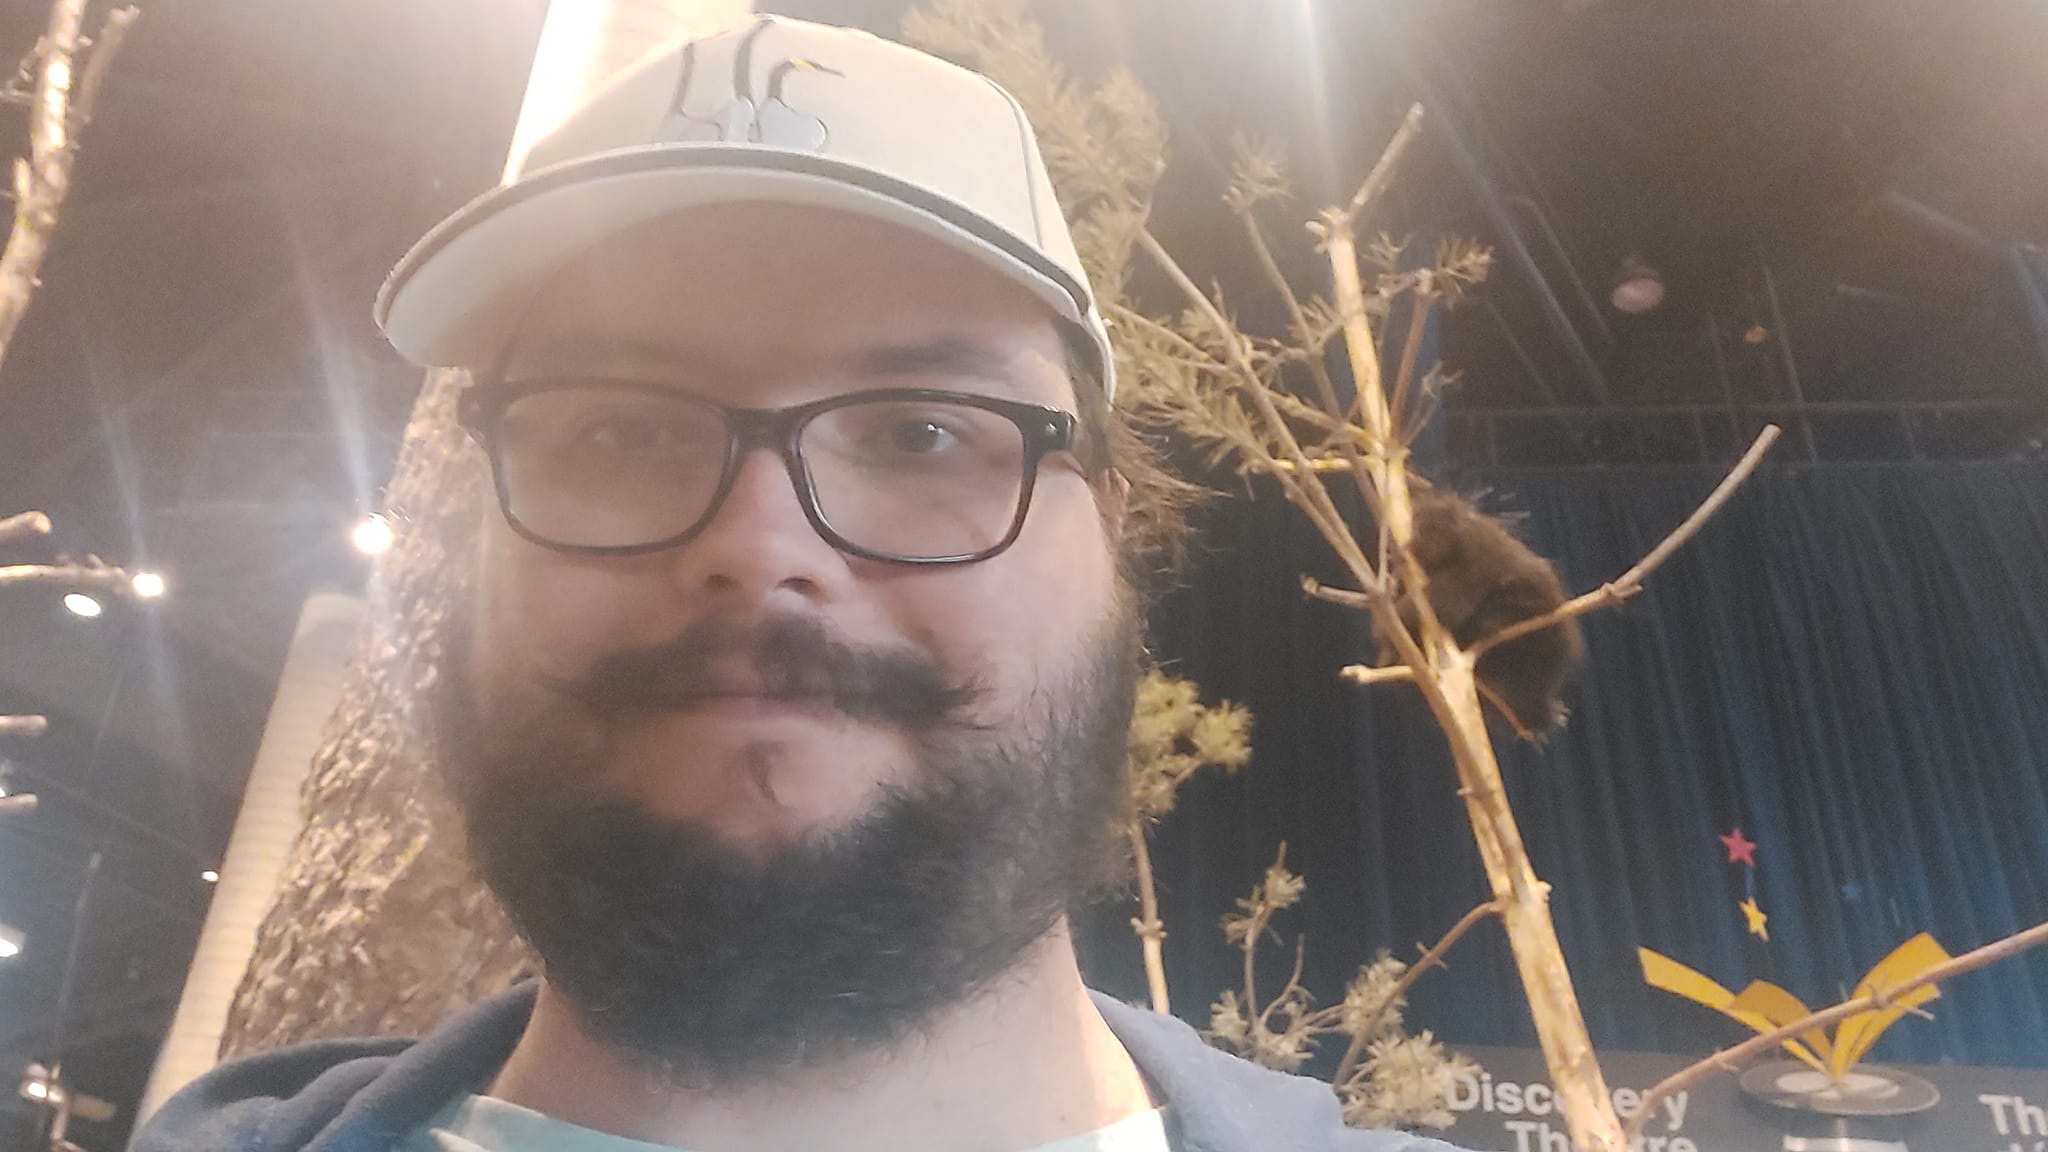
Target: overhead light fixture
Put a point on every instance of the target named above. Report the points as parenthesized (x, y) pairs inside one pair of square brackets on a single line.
[(210, 876), (39, 1085), (79, 604), (10, 941), (1638, 288), (373, 535), (148, 585)]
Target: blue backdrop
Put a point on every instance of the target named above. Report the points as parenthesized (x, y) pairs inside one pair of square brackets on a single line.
[(1850, 663)]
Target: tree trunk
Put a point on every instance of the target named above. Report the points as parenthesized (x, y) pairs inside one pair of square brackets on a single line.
[(379, 927)]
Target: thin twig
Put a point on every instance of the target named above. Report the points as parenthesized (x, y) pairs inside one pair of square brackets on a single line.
[(1151, 931), (102, 576), (1344, 597), (1318, 464), (1423, 298), (98, 61), (1305, 491), (1124, 314), (1433, 957), (1312, 353), (1319, 372), (1288, 989), (23, 524), (1728, 1059), (1382, 173), (1631, 581), (1367, 674), (23, 727)]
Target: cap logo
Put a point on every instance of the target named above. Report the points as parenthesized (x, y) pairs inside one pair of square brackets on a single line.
[(740, 120)]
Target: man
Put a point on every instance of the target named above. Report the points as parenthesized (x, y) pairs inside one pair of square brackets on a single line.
[(788, 716)]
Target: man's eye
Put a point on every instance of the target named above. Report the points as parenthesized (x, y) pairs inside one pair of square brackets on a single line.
[(628, 434), (921, 437)]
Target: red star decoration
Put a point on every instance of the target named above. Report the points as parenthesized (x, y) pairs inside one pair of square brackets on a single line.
[(1740, 850)]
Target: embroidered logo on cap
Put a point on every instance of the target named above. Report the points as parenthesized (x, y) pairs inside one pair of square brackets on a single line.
[(740, 120)]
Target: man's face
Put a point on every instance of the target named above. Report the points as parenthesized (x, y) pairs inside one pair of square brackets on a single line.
[(978, 728)]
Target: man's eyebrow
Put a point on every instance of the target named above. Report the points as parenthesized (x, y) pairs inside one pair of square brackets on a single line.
[(947, 357)]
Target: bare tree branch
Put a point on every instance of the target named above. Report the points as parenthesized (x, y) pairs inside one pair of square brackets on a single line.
[(92, 574), (1631, 581), (1382, 173), (97, 63), (23, 727), (1366, 674), (23, 524), (1343, 597), (1728, 1059), (1432, 957), (1319, 372), (61, 103), (1309, 496), (1150, 929)]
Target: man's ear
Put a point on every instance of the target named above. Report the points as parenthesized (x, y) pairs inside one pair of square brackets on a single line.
[(1112, 501)]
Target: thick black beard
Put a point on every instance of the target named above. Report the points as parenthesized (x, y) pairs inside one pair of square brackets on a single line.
[(709, 965)]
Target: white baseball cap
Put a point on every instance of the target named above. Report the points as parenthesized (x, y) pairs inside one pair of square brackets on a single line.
[(780, 111)]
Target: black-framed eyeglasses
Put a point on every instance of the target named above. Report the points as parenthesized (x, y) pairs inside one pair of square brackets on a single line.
[(907, 475)]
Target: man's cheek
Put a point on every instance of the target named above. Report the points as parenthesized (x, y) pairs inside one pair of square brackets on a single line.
[(551, 619)]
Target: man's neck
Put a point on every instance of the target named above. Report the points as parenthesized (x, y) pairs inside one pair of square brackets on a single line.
[(1028, 1062)]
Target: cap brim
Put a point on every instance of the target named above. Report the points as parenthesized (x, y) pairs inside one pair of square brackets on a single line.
[(456, 297)]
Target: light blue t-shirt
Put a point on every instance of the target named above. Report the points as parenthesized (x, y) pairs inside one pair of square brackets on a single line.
[(472, 1123)]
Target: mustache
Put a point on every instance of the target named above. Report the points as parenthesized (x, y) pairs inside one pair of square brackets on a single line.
[(787, 658)]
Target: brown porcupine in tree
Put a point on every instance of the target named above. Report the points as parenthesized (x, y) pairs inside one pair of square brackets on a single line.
[(1482, 579)]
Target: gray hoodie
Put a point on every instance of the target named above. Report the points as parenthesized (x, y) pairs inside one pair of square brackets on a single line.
[(365, 1095)]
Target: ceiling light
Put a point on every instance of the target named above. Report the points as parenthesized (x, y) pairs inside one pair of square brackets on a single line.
[(10, 941), (148, 585), (39, 1085), (372, 535), (210, 876), (1638, 288), (79, 604)]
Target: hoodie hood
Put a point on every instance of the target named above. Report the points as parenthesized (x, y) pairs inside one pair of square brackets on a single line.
[(364, 1095)]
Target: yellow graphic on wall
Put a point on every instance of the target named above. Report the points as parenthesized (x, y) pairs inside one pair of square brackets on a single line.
[(1767, 1007)]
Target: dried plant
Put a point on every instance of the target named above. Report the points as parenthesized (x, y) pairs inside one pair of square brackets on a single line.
[(1387, 1077), (1269, 405)]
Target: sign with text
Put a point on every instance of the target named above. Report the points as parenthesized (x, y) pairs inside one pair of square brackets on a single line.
[(1509, 1107)]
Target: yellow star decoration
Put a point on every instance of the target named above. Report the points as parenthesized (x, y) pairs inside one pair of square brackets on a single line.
[(1757, 919)]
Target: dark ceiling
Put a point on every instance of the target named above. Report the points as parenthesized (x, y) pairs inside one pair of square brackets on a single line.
[(199, 389)]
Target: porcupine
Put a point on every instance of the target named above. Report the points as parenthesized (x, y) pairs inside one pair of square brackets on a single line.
[(1481, 580)]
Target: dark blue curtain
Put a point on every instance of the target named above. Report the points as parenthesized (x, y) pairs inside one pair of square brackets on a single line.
[(1851, 664)]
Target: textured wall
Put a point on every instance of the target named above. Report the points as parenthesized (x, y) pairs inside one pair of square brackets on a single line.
[(378, 928)]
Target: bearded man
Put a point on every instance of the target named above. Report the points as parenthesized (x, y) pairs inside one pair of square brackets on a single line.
[(788, 715)]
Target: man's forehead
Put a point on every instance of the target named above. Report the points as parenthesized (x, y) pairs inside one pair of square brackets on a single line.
[(1004, 365), (779, 293)]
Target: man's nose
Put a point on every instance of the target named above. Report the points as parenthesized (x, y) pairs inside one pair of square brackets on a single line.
[(759, 545)]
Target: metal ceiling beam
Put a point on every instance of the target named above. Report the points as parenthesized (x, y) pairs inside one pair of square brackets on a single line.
[(1444, 113)]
